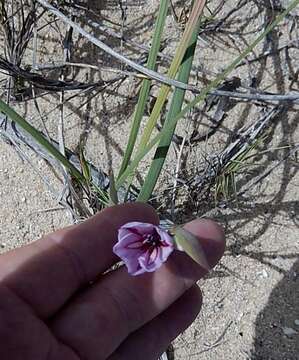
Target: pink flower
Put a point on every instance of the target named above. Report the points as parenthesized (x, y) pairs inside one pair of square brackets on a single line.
[(143, 247)]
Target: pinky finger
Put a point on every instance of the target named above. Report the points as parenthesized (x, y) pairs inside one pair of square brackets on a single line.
[(150, 341)]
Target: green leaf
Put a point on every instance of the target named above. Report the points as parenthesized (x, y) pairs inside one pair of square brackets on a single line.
[(186, 241), (175, 107), (40, 139), (112, 190), (221, 77), (142, 152), (84, 164), (145, 88), (173, 69)]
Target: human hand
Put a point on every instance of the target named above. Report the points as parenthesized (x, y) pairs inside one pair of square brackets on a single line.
[(56, 303)]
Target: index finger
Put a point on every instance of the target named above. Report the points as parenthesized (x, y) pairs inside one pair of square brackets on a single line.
[(46, 273)]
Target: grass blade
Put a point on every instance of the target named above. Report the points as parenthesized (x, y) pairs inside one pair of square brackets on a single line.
[(145, 89), (141, 153), (39, 138), (241, 57), (112, 190), (175, 108), (177, 60)]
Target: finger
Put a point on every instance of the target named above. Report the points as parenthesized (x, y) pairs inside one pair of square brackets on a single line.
[(119, 304), (24, 336), (45, 274), (153, 338)]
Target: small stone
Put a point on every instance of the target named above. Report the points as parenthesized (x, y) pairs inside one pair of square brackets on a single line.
[(296, 322), (263, 274), (2, 245), (240, 316), (23, 200), (289, 331), (292, 214), (222, 205)]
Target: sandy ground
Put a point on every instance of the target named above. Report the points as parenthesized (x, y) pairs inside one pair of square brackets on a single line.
[(251, 308), (250, 300)]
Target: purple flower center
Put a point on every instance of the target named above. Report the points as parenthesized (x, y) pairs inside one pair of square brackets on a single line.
[(152, 239), (143, 247), (147, 242)]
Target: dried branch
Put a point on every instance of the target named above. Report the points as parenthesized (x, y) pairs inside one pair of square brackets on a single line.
[(10, 130), (150, 73), (44, 83), (160, 78), (216, 163)]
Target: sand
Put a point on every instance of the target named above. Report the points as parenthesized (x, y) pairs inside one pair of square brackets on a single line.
[(251, 298)]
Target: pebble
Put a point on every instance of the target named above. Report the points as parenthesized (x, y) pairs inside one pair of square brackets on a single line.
[(289, 331), (23, 200), (264, 274), (296, 322), (293, 214), (2, 245)]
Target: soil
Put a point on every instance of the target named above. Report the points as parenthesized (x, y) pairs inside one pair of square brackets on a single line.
[(251, 298)]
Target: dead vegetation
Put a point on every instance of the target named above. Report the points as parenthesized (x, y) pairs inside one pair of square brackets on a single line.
[(266, 82), (45, 57), (246, 129)]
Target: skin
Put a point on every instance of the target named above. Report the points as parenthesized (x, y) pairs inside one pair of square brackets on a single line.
[(56, 303)]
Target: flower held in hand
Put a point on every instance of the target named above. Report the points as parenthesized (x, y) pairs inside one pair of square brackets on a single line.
[(143, 247)]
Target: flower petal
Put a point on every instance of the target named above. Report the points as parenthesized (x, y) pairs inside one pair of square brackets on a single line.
[(145, 261), (139, 227), (165, 237), (143, 247), (133, 266)]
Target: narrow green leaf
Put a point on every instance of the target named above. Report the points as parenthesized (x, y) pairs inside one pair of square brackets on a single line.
[(112, 190), (186, 241), (40, 139), (84, 164), (213, 84), (175, 108), (175, 64), (145, 88), (142, 152)]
